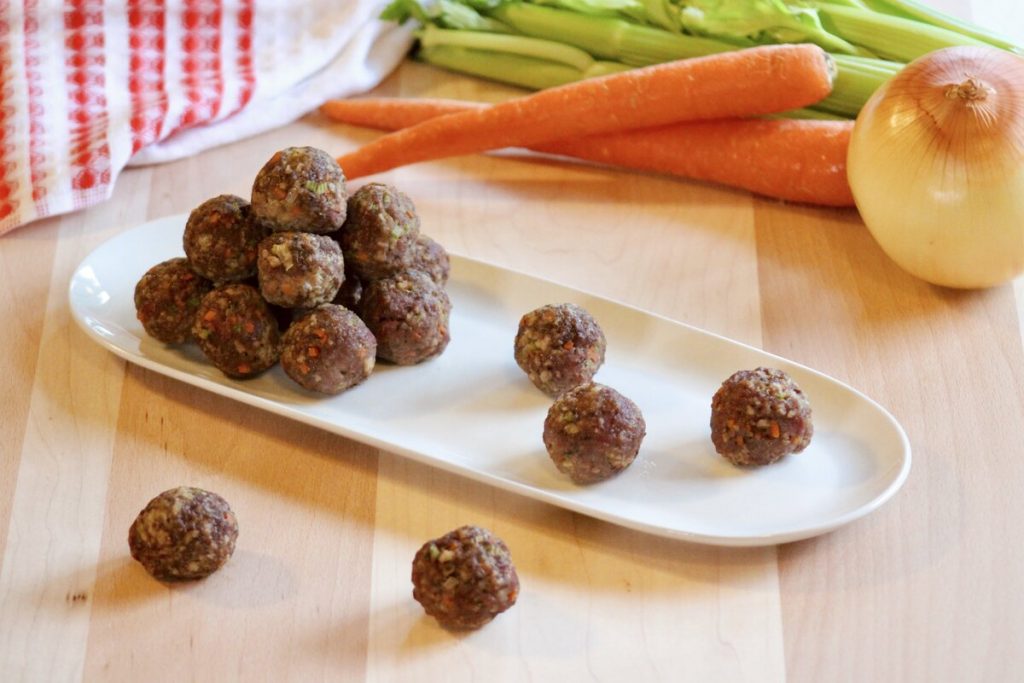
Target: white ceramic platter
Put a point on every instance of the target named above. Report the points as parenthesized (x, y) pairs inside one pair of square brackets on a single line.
[(472, 411)]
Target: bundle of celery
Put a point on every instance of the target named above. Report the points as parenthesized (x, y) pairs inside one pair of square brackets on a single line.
[(542, 43)]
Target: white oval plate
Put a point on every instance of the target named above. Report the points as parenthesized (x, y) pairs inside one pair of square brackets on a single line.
[(472, 411)]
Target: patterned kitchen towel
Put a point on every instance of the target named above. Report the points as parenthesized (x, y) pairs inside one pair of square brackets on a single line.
[(90, 86)]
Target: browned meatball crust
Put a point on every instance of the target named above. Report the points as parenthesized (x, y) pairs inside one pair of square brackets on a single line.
[(299, 269), (760, 416), (184, 533), (328, 350), (300, 189), (379, 235), (166, 299), (465, 578), (559, 346), (593, 432), (408, 314), (221, 238), (431, 258), (236, 330)]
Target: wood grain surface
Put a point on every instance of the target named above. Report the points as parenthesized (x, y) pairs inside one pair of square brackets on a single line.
[(928, 588)]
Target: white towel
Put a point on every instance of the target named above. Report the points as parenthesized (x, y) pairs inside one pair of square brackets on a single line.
[(88, 87)]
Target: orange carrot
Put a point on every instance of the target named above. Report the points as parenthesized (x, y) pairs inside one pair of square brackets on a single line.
[(393, 113), (797, 160), (749, 82)]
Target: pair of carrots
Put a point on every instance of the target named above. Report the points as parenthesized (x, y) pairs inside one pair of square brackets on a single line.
[(686, 118)]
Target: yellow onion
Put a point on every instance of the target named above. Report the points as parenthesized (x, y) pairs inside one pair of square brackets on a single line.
[(936, 165)]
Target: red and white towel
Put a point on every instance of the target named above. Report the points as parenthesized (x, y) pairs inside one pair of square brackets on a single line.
[(90, 86)]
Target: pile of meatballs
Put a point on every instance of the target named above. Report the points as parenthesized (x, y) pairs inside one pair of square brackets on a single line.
[(305, 274)]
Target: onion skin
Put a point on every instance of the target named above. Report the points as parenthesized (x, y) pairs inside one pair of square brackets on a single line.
[(936, 166)]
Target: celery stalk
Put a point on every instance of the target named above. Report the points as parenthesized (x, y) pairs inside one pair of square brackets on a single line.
[(857, 77), (888, 36), (597, 8), (534, 46), (909, 9), (856, 80), (558, 53), (513, 69), (606, 37)]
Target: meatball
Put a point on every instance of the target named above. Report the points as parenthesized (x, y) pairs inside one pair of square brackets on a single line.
[(432, 259), (408, 314), (300, 269), (300, 188), (379, 235), (236, 330), (593, 432), (465, 578), (166, 299), (184, 533), (328, 350), (559, 346), (221, 238), (760, 416)]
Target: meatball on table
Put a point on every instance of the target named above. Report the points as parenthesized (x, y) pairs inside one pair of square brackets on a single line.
[(319, 583)]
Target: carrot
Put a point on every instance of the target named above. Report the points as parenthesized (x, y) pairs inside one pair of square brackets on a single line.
[(393, 113), (749, 82), (797, 160)]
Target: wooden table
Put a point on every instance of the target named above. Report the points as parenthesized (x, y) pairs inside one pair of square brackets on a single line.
[(928, 588)]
